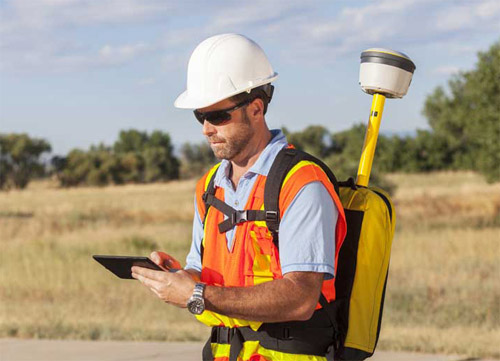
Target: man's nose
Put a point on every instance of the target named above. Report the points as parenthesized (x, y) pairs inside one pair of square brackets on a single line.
[(208, 129)]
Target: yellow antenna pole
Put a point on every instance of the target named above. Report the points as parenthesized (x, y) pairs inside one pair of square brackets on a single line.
[(366, 161)]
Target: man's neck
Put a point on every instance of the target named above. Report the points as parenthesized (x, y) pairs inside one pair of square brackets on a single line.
[(241, 165)]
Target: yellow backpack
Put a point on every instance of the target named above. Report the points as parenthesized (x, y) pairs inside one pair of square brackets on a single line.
[(362, 268)]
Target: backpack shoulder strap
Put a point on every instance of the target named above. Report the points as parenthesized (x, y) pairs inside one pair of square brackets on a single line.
[(282, 164), (286, 159)]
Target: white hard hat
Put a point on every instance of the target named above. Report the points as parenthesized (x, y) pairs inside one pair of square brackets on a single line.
[(222, 66)]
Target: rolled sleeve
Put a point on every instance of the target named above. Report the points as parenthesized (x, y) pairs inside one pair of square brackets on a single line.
[(307, 232)]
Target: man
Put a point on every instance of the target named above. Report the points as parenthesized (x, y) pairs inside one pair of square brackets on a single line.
[(261, 302)]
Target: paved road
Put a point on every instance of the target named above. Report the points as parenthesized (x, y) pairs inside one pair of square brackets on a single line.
[(53, 350)]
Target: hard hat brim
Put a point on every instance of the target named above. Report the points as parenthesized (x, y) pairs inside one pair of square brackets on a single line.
[(186, 101)]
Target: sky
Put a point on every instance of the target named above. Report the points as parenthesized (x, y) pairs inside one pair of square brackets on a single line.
[(76, 72)]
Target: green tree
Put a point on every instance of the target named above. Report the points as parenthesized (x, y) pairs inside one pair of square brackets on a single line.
[(103, 166), (346, 152), (196, 159), (468, 118), (136, 157), (97, 167), (74, 168), (160, 165), (131, 168), (340, 151), (130, 141), (146, 158), (20, 159), (315, 140)]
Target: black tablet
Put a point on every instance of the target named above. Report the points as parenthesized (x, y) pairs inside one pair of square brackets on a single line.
[(121, 265)]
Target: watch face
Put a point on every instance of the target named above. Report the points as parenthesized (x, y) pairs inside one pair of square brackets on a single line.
[(196, 306)]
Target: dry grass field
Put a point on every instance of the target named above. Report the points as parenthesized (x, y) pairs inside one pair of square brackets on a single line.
[(443, 291)]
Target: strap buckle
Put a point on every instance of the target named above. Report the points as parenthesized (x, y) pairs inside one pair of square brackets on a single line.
[(271, 216), (208, 198), (239, 217)]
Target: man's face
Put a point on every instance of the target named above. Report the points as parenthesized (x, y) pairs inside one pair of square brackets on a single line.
[(230, 138)]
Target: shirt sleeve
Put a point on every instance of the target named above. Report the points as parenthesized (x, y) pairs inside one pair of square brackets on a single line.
[(307, 232), (193, 259)]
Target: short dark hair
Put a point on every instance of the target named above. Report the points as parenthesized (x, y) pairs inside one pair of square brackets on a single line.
[(264, 92)]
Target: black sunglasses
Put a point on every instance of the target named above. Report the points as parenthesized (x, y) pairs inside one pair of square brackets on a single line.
[(217, 117)]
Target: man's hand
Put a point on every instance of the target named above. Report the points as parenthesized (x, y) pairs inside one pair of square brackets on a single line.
[(165, 260), (172, 287), (168, 262)]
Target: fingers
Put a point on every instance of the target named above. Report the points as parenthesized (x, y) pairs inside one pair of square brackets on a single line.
[(165, 260), (169, 263), (174, 288), (154, 285), (173, 263), (149, 273), (155, 257), (154, 280)]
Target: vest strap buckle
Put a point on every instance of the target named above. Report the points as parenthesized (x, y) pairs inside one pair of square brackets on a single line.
[(239, 217), (271, 216)]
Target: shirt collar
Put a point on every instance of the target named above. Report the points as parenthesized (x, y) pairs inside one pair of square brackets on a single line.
[(263, 163)]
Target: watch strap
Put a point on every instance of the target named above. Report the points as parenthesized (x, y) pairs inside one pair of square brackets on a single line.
[(199, 290)]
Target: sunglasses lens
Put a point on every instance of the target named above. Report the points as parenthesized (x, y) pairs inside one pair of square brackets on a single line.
[(199, 117), (214, 118), (217, 118)]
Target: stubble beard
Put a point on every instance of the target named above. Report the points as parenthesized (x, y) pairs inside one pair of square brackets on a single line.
[(233, 145)]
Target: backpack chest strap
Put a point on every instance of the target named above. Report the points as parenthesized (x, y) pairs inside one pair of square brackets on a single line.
[(234, 216)]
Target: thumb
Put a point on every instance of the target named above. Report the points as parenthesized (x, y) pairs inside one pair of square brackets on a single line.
[(155, 257)]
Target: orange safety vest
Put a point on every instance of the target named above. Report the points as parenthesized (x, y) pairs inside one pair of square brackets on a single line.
[(253, 258)]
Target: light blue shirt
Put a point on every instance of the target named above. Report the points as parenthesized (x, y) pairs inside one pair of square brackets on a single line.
[(307, 229)]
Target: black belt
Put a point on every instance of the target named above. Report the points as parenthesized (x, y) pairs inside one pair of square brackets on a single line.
[(302, 340)]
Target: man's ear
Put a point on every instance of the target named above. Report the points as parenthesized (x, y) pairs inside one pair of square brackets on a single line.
[(256, 108)]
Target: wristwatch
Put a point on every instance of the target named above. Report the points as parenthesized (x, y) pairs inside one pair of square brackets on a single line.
[(196, 303)]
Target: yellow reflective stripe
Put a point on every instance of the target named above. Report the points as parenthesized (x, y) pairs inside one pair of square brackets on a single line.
[(210, 174), (252, 348), (297, 166), (212, 319), (207, 181), (261, 268), (220, 350)]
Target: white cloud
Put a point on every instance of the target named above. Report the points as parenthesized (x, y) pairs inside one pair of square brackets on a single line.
[(470, 15), (314, 35), (40, 33), (174, 62), (446, 70), (50, 14), (52, 60), (240, 14), (121, 54), (147, 81)]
